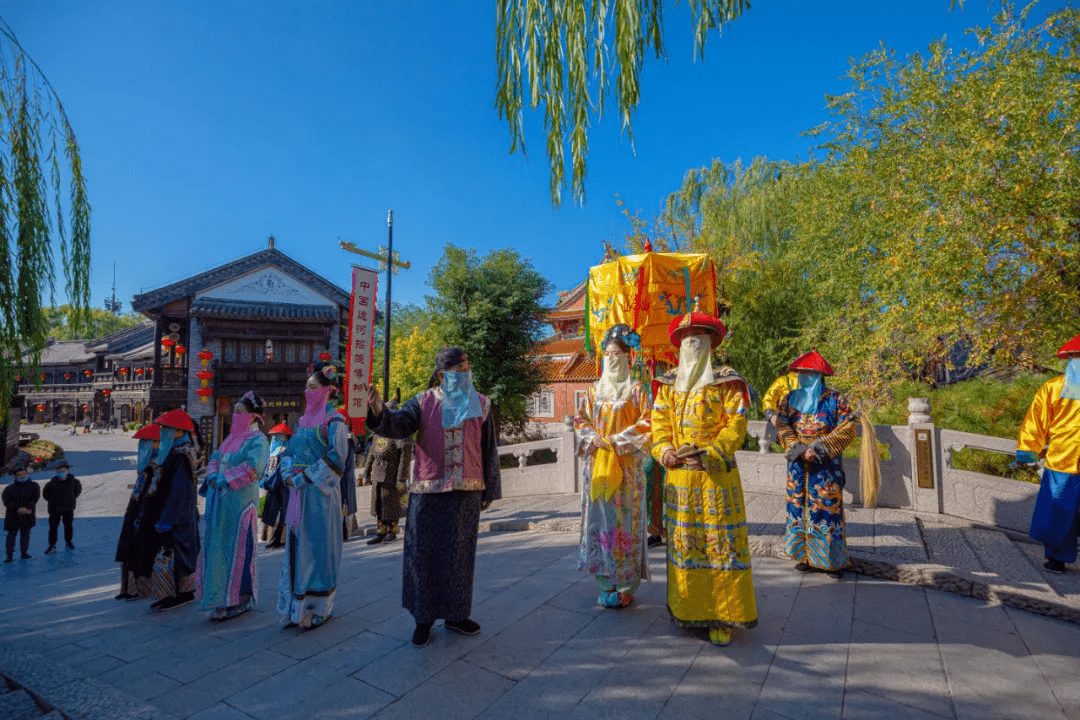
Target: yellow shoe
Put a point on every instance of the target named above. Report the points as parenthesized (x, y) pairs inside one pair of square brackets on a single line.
[(720, 636)]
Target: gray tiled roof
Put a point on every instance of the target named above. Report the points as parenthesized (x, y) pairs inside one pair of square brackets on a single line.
[(142, 352), (66, 352), (124, 340), (154, 299), (247, 310)]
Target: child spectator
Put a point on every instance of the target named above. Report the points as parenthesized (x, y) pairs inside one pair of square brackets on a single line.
[(60, 493), (20, 498)]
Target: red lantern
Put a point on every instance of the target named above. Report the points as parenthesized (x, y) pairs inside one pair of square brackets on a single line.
[(180, 349), (106, 392), (325, 356), (88, 373), (204, 393), (139, 371), (67, 376), (18, 378), (41, 408), (42, 376), (167, 342), (124, 371), (205, 375), (85, 408)]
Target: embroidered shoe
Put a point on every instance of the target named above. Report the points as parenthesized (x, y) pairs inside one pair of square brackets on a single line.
[(422, 634), (391, 536), (719, 636), (465, 627), (376, 540), (1054, 566)]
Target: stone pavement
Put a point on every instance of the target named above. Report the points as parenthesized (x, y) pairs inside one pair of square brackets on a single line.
[(860, 648)]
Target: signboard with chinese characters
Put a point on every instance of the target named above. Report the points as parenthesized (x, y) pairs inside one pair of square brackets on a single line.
[(361, 338)]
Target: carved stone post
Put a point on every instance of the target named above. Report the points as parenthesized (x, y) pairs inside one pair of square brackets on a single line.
[(926, 489)]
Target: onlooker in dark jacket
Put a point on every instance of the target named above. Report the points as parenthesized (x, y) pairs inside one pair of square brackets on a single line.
[(60, 493), (20, 499)]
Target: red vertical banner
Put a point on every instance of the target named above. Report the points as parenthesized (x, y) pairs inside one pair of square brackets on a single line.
[(358, 357)]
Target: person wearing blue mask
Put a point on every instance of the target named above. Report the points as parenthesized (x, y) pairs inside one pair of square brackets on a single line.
[(1051, 430), (20, 502), (814, 425), (60, 494), (127, 549), (227, 578), (277, 494), (168, 525), (455, 476)]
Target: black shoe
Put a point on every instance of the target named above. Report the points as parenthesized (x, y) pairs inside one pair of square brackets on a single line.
[(376, 540), (465, 627), (1054, 566), (422, 634), (273, 545), (26, 556), (173, 602), (8, 559), (655, 540), (50, 549), (71, 546), (126, 596), (391, 536), (835, 574), (803, 567)]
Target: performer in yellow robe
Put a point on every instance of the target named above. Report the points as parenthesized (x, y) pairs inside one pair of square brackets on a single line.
[(1051, 430), (698, 422), (770, 401)]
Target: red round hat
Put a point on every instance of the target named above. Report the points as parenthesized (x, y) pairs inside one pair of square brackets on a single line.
[(812, 361), (696, 321), (176, 419), (148, 432), (1070, 349), (280, 429)]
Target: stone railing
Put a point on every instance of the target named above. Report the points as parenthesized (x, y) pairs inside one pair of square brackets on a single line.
[(977, 497), (546, 478)]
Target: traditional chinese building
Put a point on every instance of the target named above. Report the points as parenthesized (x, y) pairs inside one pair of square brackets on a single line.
[(566, 368), (104, 379), (264, 318)]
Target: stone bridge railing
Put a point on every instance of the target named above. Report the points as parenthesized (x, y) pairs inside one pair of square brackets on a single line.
[(918, 474)]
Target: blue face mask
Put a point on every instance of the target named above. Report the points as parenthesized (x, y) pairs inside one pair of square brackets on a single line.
[(165, 445), (810, 388), (460, 401), (1071, 389), (61, 474), (146, 450), (276, 442), (22, 479)]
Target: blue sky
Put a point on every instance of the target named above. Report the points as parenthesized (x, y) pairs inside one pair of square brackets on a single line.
[(206, 126)]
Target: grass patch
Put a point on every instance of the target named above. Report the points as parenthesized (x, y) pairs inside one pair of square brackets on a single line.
[(984, 406)]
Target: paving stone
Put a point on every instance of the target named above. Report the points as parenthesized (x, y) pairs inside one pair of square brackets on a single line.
[(897, 667), (221, 711), (946, 545), (19, 705), (862, 705), (902, 608), (515, 651), (461, 690), (805, 680), (897, 536), (1003, 559)]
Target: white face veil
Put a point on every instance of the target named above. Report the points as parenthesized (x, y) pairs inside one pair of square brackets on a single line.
[(695, 363), (615, 381)]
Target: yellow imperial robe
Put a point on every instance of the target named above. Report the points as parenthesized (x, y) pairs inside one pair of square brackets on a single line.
[(709, 582), (1053, 422), (779, 390)]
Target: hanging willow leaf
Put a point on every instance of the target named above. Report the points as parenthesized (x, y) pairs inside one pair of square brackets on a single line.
[(567, 55), (33, 129)]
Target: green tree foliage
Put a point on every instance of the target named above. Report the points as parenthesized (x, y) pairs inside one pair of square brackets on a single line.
[(97, 323), (491, 308), (43, 203), (569, 55), (945, 208)]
